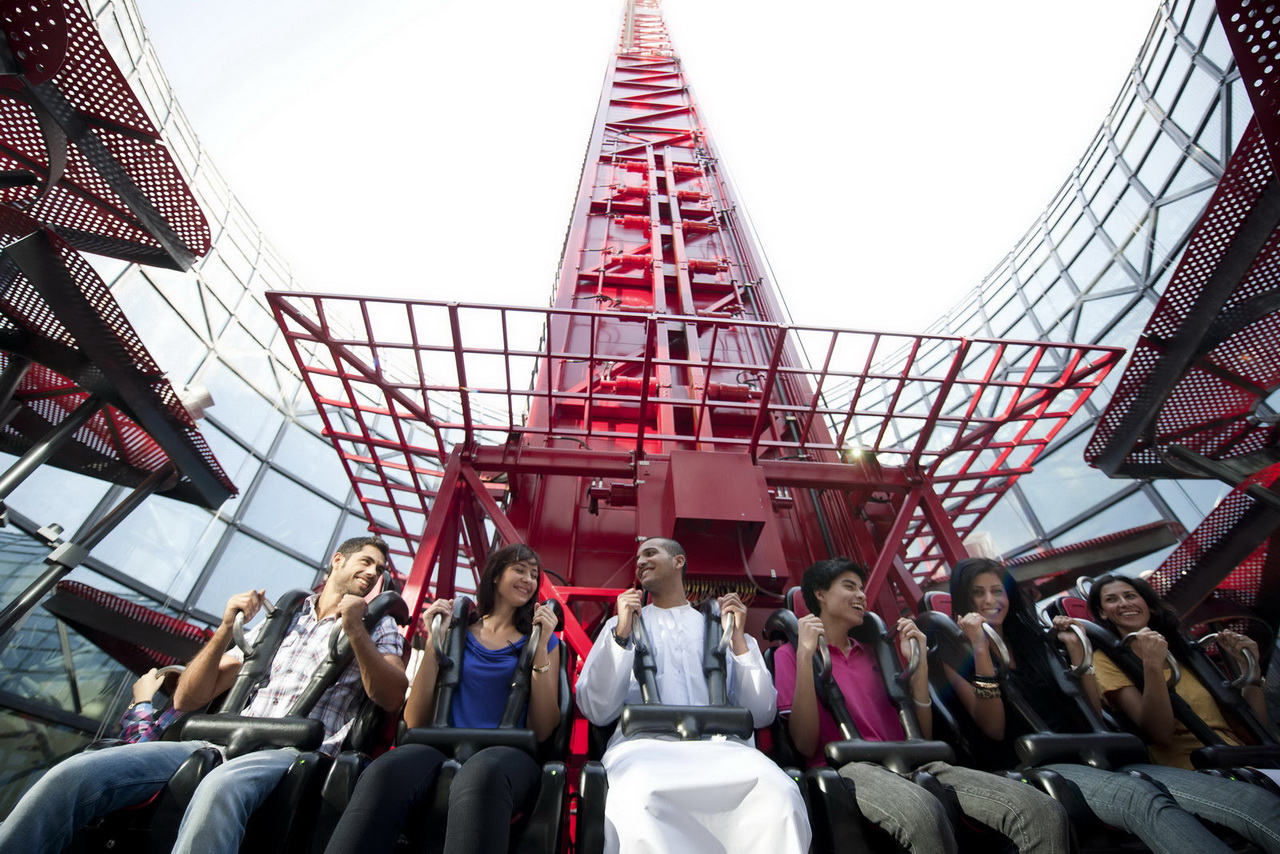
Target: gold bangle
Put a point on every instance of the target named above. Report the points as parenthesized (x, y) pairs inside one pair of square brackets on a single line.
[(986, 692), (543, 669)]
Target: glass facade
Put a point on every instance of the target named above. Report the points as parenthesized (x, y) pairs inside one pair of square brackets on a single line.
[(1093, 265), (209, 326)]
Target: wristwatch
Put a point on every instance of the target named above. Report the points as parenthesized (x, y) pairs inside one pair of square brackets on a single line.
[(625, 643)]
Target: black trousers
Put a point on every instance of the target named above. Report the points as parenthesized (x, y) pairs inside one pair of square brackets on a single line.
[(394, 792)]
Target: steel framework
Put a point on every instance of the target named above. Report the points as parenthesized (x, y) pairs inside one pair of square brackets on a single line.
[(1193, 401), (663, 393)]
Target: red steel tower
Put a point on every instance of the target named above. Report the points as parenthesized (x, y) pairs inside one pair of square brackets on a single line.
[(670, 396)]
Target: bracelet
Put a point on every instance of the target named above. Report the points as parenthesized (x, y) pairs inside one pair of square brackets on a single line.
[(136, 703), (986, 692), (926, 704), (543, 669)]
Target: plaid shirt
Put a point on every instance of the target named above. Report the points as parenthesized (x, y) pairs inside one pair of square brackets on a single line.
[(140, 723), (303, 650)]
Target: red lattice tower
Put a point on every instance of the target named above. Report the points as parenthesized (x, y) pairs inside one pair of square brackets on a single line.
[(669, 396)]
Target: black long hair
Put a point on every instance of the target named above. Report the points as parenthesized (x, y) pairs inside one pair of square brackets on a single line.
[(1162, 619), (1022, 632), (486, 591)]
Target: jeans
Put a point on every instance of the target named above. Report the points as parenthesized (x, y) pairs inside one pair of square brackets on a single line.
[(89, 785), (1032, 820), (86, 786), (1140, 808), (216, 817), (1246, 809), (489, 788)]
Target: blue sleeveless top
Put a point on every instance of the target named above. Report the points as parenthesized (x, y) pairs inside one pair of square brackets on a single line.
[(485, 682)]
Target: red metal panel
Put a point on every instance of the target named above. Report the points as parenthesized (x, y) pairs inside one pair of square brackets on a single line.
[(1208, 353), (69, 121), (68, 323), (1251, 27)]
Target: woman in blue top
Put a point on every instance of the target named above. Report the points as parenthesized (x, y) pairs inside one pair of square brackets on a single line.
[(496, 782)]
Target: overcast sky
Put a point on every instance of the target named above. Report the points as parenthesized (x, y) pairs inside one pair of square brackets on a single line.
[(889, 154)]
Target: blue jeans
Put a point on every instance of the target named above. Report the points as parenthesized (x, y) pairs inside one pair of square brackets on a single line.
[(1136, 806), (89, 785), (86, 786), (219, 811), (1246, 809), (1032, 820)]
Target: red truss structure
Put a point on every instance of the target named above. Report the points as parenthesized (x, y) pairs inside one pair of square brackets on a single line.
[(430, 405), (77, 151), (663, 393)]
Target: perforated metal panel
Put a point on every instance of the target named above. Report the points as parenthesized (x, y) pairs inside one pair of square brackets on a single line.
[(100, 173), (1208, 353), (144, 426)]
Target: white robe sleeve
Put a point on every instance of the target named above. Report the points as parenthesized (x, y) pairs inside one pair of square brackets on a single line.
[(750, 685), (606, 678)]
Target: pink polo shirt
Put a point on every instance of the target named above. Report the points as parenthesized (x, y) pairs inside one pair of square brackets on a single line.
[(859, 678)]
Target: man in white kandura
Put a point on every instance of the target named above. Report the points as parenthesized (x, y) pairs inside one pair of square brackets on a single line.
[(719, 794)]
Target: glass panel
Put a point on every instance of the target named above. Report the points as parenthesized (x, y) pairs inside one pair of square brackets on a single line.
[(44, 661), (1164, 158), (240, 409), (240, 465), (1130, 512), (1089, 263), (1109, 192), (164, 544), (1166, 93), (314, 461), (54, 495), (1175, 219), (1216, 47), (30, 746), (1197, 100), (108, 269), (1062, 485), (218, 278), (237, 347), (285, 511), (1071, 243), (175, 347), (182, 290), (250, 564), (1191, 500), (1007, 524), (1095, 314)]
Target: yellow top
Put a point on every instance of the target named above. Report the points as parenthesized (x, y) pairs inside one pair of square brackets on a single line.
[(1190, 689)]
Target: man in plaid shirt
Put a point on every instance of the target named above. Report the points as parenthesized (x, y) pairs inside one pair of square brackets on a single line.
[(93, 784)]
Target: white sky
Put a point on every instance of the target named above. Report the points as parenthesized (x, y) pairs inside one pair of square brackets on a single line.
[(889, 154)]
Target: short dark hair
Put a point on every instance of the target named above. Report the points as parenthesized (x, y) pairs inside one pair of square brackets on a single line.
[(822, 575), (672, 548), (487, 588), (355, 544)]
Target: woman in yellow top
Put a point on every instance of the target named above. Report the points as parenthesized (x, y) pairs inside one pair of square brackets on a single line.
[(1130, 606)]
